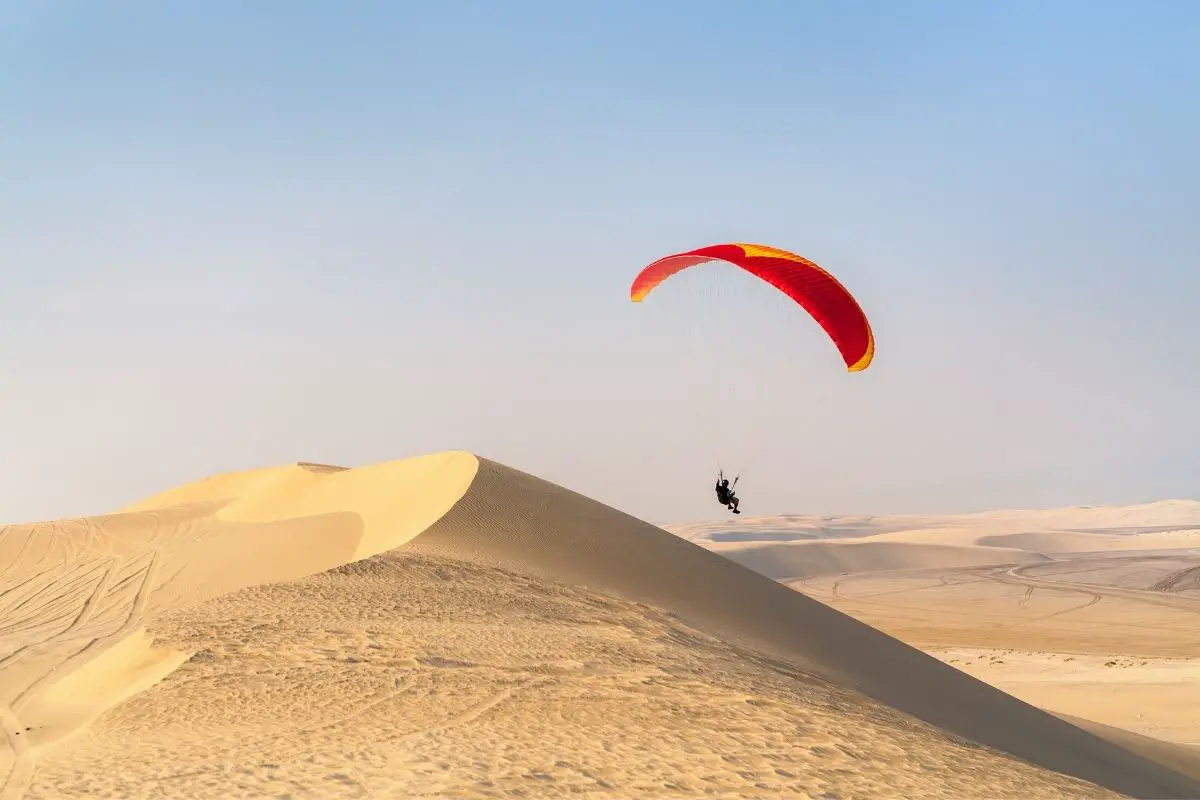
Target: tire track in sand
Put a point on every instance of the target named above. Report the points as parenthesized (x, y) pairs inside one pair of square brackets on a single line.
[(23, 758)]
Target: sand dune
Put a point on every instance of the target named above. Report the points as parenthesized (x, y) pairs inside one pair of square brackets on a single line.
[(787, 560), (1163, 515), (793, 527), (1068, 542), (451, 627), (794, 546), (505, 521), (392, 502)]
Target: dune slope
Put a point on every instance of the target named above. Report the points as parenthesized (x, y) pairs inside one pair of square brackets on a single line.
[(409, 675), (516, 521)]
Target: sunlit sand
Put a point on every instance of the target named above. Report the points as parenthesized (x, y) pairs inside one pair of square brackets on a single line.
[(446, 626), (1087, 613)]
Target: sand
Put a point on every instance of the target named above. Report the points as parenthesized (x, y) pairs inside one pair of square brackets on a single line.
[(446, 626), (806, 559), (1115, 654), (1092, 622)]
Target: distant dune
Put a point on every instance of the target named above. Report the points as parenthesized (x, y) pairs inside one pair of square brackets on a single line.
[(782, 561), (1069, 542), (1168, 523), (448, 626), (797, 546)]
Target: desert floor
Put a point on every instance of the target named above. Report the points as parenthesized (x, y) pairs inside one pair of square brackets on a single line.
[(1105, 637)]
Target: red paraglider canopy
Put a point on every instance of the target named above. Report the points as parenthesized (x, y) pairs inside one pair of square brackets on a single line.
[(818, 292)]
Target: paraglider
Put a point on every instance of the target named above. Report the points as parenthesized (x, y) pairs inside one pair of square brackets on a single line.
[(818, 292), (813, 288), (725, 495)]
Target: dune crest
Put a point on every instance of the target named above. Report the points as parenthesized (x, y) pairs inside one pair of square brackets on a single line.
[(395, 500)]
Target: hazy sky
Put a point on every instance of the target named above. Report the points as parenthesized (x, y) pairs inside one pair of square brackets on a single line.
[(239, 234)]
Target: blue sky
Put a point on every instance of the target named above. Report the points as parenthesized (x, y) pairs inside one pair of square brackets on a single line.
[(234, 235)]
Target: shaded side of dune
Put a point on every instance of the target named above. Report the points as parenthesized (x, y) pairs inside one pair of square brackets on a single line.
[(519, 522), (1184, 759)]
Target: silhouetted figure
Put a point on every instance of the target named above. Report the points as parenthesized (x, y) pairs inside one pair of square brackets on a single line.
[(725, 495)]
